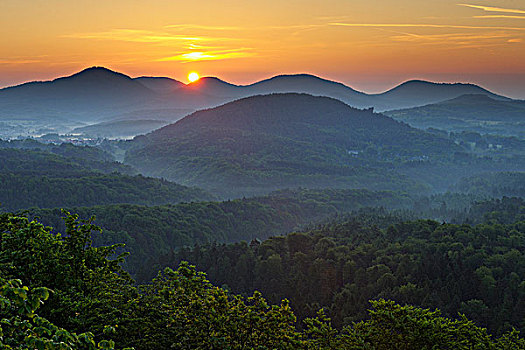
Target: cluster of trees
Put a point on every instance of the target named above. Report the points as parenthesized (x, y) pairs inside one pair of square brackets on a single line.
[(89, 302), (476, 270)]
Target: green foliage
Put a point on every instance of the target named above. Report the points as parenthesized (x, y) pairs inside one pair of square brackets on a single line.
[(22, 328), (181, 309), (90, 304), (56, 161), (86, 284), (478, 270)]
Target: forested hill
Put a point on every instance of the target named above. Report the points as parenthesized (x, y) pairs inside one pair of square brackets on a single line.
[(43, 179), (263, 143), (151, 232)]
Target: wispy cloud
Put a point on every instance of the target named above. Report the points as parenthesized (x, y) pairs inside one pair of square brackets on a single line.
[(208, 55), (457, 37), (492, 9), (16, 61), (459, 40), (500, 16), (142, 36), (202, 27), (422, 25)]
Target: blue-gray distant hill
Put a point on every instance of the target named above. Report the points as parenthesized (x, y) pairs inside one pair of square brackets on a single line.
[(262, 143), (120, 128), (472, 112)]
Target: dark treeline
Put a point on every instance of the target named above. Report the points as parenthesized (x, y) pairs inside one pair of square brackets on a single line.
[(494, 184), (69, 295)]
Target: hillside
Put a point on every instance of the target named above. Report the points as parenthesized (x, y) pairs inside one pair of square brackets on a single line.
[(33, 178), (120, 128), (472, 112), (262, 143), (493, 184), (160, 84), (69, 294), (151, 232), (313, 85)]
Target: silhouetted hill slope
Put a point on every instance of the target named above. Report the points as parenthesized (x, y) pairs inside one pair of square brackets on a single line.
[(417, 93), (268, 142), (472, 112), (310, 84), (84, 95), (160, 84), (213, 86)]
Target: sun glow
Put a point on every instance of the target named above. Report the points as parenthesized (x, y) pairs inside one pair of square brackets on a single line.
[(193, 77)]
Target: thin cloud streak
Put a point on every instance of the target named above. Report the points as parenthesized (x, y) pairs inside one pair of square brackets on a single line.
[(421, 25), (18, 62), (197, 26), (206, 56), (492, 9), (461, 37), (141, 36), (500, 16)]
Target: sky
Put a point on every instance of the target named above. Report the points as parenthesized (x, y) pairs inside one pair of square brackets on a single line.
[(370, 45)]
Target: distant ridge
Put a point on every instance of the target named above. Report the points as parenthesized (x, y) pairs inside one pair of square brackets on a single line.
[(482, 113), (472, 98), (98, 94), (415, 93), (160, 84), (215, 87)]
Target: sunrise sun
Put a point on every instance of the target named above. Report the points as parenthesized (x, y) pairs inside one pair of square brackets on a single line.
[(193, 77)]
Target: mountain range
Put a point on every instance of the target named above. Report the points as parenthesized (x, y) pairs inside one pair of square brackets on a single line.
[(98, 94)]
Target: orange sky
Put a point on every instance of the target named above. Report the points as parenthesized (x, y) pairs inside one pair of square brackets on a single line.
[(370, 45)]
